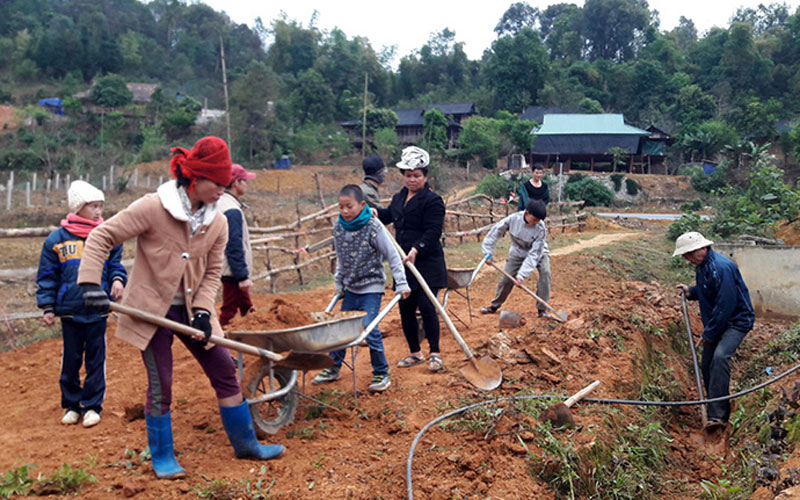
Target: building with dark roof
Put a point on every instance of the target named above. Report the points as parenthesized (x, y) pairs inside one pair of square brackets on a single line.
[(410, 123), (588, 141)]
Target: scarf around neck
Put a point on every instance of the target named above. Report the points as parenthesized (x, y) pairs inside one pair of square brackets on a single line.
[(80, 226), (358, 222)]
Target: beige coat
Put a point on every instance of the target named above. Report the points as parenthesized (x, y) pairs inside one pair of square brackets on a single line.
[(166, 256)]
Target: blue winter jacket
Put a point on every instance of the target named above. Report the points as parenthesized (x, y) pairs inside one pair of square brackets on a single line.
[(58, 290), (724, 299)]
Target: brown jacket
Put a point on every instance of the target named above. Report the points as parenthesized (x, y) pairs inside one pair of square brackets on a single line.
[(166, 256)]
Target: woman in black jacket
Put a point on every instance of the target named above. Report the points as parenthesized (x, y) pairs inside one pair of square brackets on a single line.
[(418, 216)]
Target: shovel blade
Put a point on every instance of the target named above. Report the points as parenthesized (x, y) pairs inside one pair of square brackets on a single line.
[(560, 316), (483, 373)]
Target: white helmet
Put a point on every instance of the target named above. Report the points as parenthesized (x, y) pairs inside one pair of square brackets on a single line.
[(689, 242), (413, 158)]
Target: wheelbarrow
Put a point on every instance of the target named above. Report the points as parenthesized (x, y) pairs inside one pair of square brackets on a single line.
[(270, 386), (462, 277)]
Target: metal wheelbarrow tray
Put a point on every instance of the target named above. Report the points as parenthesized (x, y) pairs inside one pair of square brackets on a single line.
[(459, 277), (269, 387), (322, 337)]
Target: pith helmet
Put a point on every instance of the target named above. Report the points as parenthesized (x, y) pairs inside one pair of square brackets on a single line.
[(689, 242)]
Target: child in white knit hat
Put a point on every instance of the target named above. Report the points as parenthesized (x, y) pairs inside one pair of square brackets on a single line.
[(58, 294)]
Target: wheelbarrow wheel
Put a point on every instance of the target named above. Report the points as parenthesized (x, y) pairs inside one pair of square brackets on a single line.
[(269, 416)]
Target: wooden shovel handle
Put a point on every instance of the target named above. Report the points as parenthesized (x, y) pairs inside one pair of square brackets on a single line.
[(528, 290), (581, 394), (463, 345), (194, 332)]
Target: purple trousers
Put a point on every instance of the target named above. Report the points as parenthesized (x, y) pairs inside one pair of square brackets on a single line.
[(216, 363)]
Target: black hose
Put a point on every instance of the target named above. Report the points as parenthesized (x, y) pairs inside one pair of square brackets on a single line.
[(463, 409)]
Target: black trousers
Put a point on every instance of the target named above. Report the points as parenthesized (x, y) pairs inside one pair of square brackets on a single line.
[(430, 320)]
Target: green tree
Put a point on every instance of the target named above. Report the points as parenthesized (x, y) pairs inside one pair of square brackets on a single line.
[(590, 106), (480, 137), (612, 27), (111, 90), (434, 135), (379, 118), (518, 15), (516, 69), (312, 99), (256, 132), (386, 143)]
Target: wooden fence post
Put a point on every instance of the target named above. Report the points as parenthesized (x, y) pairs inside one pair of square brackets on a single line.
[(104, 183), (58, 181), (47, 192), (66, 184), (27, 194), (135, 177), (269, 273), (111, 175), (9, 189), (297, 244), (33, 188)]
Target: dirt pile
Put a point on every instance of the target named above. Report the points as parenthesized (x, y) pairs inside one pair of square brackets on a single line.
[(279, 315)]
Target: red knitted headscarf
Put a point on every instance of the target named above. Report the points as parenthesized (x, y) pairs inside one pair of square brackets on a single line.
[(208, 159)]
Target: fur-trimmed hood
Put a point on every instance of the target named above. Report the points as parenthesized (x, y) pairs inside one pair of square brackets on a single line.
[(171, 201)]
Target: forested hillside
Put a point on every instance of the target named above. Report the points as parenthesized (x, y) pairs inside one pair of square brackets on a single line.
[(291, 83)]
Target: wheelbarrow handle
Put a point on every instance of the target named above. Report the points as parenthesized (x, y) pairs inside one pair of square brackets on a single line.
[(477, 269), (334, 300), (194, 332), (377, 319)]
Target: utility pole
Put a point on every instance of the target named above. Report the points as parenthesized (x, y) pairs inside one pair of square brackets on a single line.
[(364, 122), (225, 89)]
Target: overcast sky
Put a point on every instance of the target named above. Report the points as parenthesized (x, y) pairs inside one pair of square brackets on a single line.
[(409, 24)]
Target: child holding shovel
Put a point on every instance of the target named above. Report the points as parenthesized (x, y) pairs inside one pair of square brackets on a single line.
[(362, 245), (528, 251), (180, 244), (58, 293)]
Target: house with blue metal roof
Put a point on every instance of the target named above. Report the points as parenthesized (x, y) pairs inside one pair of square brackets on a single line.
[(588, 141)]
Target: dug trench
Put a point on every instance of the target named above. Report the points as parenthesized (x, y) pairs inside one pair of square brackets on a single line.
[(624, 329)]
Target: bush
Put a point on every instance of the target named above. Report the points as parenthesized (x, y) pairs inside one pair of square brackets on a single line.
[(111, 90), (688, 222), (631, 187), (495, 186), (575, 178), (710, 183), (692, 206), (592, 191), (617, 180), (767, 200)]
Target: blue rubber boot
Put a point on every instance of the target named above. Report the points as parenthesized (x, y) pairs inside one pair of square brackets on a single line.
[(239, 425), (159, 438)]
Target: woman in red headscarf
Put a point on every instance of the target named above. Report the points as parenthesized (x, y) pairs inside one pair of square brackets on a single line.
[(180, 244)]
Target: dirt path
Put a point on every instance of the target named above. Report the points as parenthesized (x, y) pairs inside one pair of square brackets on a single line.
[(597, 241), (360, 452)]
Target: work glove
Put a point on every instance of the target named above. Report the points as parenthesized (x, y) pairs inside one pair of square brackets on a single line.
[(202, 321), (95, 298)]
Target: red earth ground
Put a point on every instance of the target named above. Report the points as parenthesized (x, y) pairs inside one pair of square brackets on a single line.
[(360, 452)]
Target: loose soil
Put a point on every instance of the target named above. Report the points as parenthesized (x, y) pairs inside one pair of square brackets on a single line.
[(278, 315), (360, 450)]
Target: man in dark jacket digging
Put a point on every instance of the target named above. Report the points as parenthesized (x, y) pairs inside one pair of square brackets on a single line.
[(727, 316)]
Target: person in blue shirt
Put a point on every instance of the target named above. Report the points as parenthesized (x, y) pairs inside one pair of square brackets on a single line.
[(58, 294), (727, 315)]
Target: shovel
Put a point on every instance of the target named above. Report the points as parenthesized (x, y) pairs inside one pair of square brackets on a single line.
[(194, 332), (559, 414), (482, 373), (703, 412), (557, 315)]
